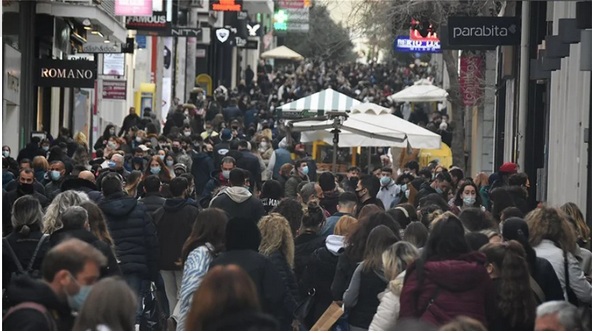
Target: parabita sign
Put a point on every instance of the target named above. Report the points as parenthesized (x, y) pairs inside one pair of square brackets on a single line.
[(66, 73)]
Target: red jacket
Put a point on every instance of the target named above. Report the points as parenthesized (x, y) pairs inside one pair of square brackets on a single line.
[(464, 289)]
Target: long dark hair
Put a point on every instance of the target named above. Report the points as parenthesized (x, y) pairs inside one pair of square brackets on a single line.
[(458, 201), (209, 227), (379, 239), (515, 298), (356, 242), (516, 229)]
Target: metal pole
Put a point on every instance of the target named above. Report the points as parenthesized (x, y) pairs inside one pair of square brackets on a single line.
[(524, 80), (335, 147)]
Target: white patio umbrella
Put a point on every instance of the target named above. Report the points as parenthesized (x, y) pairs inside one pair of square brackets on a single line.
[(282, 52), (420, 91)]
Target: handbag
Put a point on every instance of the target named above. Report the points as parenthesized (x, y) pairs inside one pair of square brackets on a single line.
[(153, 317), (303, 309), (329, 318), (571, 296)]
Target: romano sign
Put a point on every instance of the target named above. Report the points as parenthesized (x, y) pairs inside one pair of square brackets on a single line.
[(66, 73), (483, 30)]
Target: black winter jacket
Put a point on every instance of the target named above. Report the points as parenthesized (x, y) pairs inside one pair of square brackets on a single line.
[(319, 275), (23, 248), (343, 274), (25, 289), (134, 234), (112, 267), (264, 274), (304, 245), (174, 222), (153, 201), (239, 202), (83, 185), (291, 298), (201, 168), (371, 284)]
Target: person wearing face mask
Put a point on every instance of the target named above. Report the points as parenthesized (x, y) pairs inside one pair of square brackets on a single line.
[(389, 192), (69, 270), (180, 155), (115, 164), (466, 197), (157, 167), (101, 142), (12, 165), (366, 190), (236, 199), (209, 132), (24, 186), (219, 179), (440, 185), (297, 176), (76, 225), (57, 172)]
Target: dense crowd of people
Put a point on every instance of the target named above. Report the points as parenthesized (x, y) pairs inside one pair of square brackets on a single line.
[(229, 217)]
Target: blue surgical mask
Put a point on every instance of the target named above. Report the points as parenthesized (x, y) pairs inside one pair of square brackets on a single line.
[(469, 201), (77, 301), (170, 163), (161, 157), (407, 193), (155, 170), (403, 187), (111, 165), (305, 170), (45, 148), (384, 181), (226, 174), (439, 190), (5, 153), (55, 175)]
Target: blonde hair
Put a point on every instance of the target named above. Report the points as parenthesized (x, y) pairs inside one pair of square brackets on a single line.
[(40, 162), (52, 220), (395, 260), (80, 138), (276, 235), (572, 210), (481, 179), (551, 224), (345, 225)]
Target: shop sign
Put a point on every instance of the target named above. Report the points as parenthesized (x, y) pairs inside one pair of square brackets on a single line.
[(156, 22), (66, 73), (250, 45), (101, 48), (404, 44), (115, 89), (483, 30), (227, 5), (133, 7), (471, 79)]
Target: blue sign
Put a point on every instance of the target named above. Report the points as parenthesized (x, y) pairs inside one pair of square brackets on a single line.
[(405, 44), (141, 41)]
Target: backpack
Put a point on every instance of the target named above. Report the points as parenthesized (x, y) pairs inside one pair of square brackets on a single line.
[(33, 306), (20, 270)]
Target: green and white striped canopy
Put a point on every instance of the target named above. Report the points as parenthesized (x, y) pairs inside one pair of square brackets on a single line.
[(317, 104)]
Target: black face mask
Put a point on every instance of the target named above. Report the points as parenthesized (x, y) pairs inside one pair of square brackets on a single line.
[(26, 188), (176, 149)]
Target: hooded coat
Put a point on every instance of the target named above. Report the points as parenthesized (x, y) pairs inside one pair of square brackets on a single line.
[(134, 234), (25, 289), (319, 274), (450, 288), (202, 166), (239, 202)]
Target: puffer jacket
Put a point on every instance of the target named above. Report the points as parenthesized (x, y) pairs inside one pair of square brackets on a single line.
[(450, 288), (153, 201), (387, 313), (361, 297), (134, 234), (304, 245)]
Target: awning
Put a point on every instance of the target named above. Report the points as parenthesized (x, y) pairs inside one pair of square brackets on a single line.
[(318, 104), (108, 24)]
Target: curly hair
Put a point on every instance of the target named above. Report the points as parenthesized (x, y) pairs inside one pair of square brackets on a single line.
[(515, 298), (276, 235), (52, 221), (551, 224), (292, 210)]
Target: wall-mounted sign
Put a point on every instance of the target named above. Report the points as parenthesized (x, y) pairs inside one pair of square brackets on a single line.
[(222, 34), (133, 7), (226, 5), (471, 78), (250, 45), (66, 73), (253, 29), (155, 22), (101, 48), (114, 64), (404, 44), (115, 89), (483, 30), (415, 35), (186, 32)]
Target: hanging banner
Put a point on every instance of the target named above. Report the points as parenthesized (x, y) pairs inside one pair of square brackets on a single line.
[(66, 73), (167, 75), (114, 64), (133, 7), (471, 78)]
